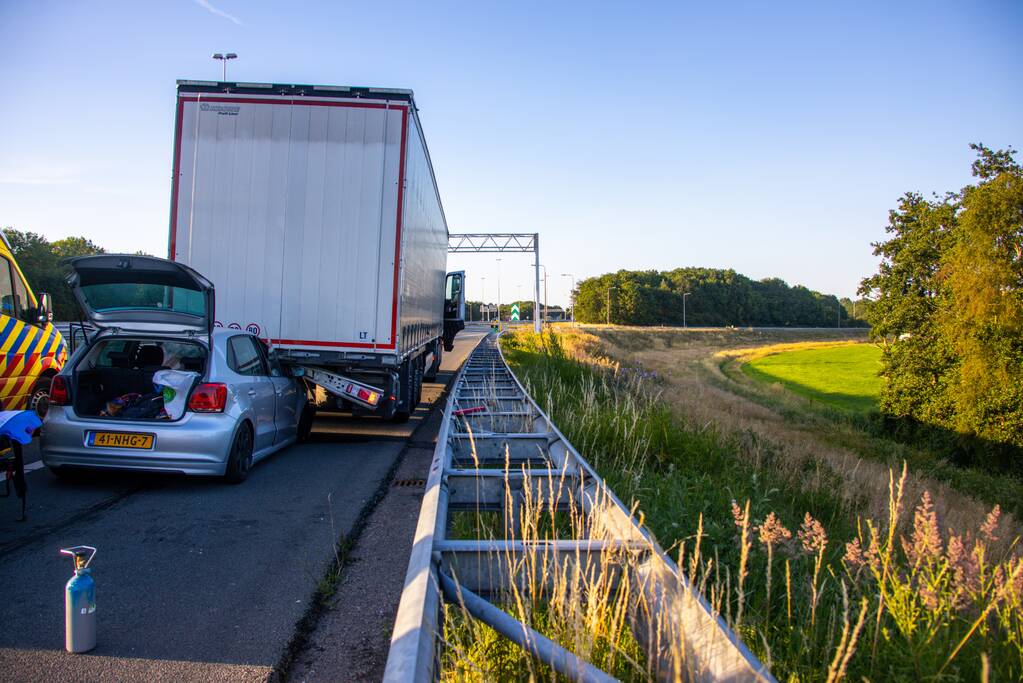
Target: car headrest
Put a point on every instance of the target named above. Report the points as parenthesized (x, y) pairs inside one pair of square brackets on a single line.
[(119, 359), (148, 356)]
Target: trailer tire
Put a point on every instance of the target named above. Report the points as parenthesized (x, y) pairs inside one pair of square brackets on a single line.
[(417, 395), (430, 375), (404, 392)]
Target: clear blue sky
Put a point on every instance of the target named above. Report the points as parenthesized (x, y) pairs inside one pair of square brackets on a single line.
[(767, 137)]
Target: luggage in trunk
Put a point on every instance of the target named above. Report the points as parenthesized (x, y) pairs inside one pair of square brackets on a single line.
[(115, 379)]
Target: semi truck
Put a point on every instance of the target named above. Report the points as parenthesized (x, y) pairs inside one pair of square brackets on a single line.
[(314, 211)]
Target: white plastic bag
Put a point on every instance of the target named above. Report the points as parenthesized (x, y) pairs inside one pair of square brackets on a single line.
[(178, 382)]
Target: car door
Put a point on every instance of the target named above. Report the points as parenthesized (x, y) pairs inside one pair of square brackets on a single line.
[(285, 395), (253, 387)]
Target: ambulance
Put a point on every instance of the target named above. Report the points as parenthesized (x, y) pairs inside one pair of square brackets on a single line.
[(32, 351)]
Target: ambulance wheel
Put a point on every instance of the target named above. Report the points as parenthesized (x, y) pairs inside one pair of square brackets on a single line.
[(239, 461), (305, 422), (39, 399)]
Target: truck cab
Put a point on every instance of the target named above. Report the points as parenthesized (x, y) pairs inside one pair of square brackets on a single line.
[(32, 351)]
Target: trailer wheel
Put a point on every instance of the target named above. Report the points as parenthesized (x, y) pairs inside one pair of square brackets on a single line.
[(404, 393), (431, 372), (420, 372)]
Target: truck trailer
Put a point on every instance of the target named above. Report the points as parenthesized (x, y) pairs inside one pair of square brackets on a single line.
[(315, 212)]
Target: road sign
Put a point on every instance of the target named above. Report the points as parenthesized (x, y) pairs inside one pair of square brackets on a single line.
[(515, 313)]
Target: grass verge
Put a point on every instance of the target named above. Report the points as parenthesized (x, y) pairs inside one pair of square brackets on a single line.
[(843, 375), (815, 589)]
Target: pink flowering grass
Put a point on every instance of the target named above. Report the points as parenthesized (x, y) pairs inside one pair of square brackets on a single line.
[(905, 599)]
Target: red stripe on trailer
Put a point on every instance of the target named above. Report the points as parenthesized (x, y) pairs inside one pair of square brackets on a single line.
[(398, 226), (294, 100), (175, 178), (309, 103), (355, 345)]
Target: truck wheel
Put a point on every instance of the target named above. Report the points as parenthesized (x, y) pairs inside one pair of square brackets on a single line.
[(239, 461), (420, 371), (404, 392), (431, 372)]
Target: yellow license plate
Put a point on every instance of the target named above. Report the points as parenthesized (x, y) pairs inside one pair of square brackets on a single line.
[(120, 440)]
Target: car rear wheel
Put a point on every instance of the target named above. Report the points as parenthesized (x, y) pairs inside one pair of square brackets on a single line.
[(239, 462), (66, 473), (305, 422)]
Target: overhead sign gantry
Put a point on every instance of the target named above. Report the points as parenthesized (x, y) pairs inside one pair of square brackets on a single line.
[(500, 243)]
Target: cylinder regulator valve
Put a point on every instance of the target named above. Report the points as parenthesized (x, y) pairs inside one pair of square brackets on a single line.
[(80, 602)]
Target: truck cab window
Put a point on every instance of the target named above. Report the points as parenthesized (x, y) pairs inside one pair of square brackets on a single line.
[(453, 288), (8, 305)]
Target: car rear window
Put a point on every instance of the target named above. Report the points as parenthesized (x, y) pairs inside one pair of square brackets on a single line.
[(129, 353), (127, 296)]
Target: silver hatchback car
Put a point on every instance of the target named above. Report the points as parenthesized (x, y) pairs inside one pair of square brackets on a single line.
[(158, 387)]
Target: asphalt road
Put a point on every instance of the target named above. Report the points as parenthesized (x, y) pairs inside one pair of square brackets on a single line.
[(196, 580)]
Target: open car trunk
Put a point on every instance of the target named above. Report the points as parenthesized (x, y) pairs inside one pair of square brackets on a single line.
[(114, 380)]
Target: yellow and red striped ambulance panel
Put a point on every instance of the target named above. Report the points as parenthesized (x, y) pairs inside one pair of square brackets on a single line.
[(26, 352)]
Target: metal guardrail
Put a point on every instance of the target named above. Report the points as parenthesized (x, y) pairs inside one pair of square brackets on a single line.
[(495, 448)]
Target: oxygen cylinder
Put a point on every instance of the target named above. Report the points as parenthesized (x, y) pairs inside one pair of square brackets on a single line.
[(80, 602)]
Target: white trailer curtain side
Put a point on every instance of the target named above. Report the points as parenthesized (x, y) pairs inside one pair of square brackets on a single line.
[(314, 212)]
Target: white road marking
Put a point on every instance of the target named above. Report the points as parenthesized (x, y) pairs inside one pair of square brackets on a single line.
[(31, 467)]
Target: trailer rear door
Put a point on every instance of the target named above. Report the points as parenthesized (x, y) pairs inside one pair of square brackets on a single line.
[(292, 207)]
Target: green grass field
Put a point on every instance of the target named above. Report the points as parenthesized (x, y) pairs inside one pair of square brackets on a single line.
[(844, 376)]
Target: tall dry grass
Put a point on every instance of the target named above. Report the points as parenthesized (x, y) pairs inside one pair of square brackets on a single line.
[(905, 594), (831, 458)]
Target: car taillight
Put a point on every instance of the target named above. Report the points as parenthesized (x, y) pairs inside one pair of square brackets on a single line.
[(59, 394), (208, 398)]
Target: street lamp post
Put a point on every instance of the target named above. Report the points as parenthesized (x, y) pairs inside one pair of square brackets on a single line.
[(571, 295), (224, 58), (544, 316), (483, 299), (609, 304), (498, 292), (684, 308)]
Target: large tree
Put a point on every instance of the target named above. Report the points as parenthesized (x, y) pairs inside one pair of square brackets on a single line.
[(702, 296), (983, 318), (40, 261), (947, 306)]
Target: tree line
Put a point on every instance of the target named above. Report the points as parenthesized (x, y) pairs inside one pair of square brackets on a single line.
[(948, 310), (40, 261), (707, 297)]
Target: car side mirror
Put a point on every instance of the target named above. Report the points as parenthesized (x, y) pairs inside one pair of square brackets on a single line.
[(296, 371), (45, 311)]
